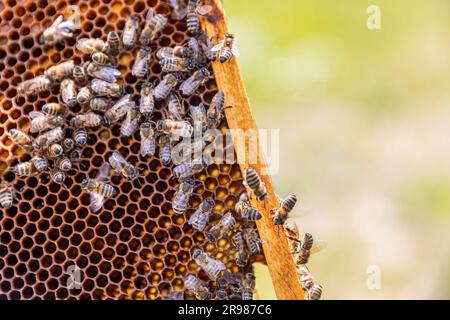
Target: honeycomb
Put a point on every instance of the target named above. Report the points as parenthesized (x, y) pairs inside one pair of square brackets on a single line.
[(134, 248)]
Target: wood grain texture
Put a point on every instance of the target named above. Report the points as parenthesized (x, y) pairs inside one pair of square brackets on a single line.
[(239, 116)]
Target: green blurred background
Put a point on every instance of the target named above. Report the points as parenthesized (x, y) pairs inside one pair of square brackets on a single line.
[(365, 131)]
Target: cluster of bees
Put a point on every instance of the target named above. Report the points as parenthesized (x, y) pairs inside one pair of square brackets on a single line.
[(57, 134)]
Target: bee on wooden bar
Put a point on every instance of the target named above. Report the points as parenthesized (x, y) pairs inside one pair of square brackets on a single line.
[(241, 247), (90, 45), (88, 120), (213, 268), (248, 286), (147, 100), (302, 249), (195, 8), (222, 228), (188, 169), (148, 139), (59, 30), (153, 25), (7, 195), (105, 73), (226, 49), (120, 108), (25, 169), (286, 206), (200, 217), (84, 95), (130, 32), (215, 113), (42, 122), (244, 208), (40, 163), (99, 189), (196, 287), (190, 85), (253, 181), (60, 71), (100, 104), (252, 239), (182, 195), (34, 86), (104, 88), (311, 288), (122, 166), (206, 45), (54, 109), (69, 92), (79, 75), (165, 149), (165, 87), (20, 138), (141, 63), (131, 122)]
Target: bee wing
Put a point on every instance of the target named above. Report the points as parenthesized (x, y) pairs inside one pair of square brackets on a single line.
[(103, 172), (165, 52), (96, 201), (235, 51), (318, 246), (217, 47), (58, 20), (118, 157), (36, 114), (106, 73), (205, 9), (149, 16)]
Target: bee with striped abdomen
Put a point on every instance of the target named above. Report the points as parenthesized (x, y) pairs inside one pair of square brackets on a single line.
[(226, 49), (181, 198), (190, 85), (69, 92), (198, 116), (53, 151), (175, 128), (54, 109), (88, 120), (60, 71), (59, 30), (303, 248), (80, 136), (130, 32), (141, 63), (165, 87), (147, 100), (79, 75), (186, 170), (175, 109), (206, 45), (120, 108), (248, 286), (131, 122), (58, 176), (7, 195), (90, 45), (100, 58), (200, 217), (101, 104), (253, 181), (25, 169), (213, 268), (122, 166), (75, 156), (194, 9), (84, 95), (105, 73), (251, 238), (282, 213), (34, 86), (244, 208), (241, 247), (312, 289), (153, 25), (106, 89), (20, 138), (148, 139), (174, 64), (40, 163), (99, 189), (222, 228), (165, 149), (112, 44), (47, 138), (215, 113), (42, 122), (196, 287), (64, 164), (68, 144)]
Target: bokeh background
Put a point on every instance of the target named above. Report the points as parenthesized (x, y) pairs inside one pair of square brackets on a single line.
[(365, 130)]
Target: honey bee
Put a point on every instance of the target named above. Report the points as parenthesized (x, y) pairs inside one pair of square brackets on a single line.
[(221, 293), (190, 85), (54, 151), (40, 163), (175, 52), (248, 286), (195, 286), (84, 95), (226, 49), (302, 249), (58, 31), (200, 217), (253, 181), (100, 104), (75, 155), (148, 140), (104, 88), (239, 243), (215, 114), (131, 122), (80, 136), (68, 144), (213, 268), (47, 138), (88, 120), (58, 176), (79, 75), (141, 63), (286, 206), (312, 289), (64, 164), (244, 208), (175, 108), (7, 195), (174, 64), (100, 58), (165, 87), (165, 149), (42, 122), (130, 32), (54, 109), (179, 10), (206, 45), (120, 108), (252, 239), (98, 188), (187, 169), (147, 101), (182, 195), (195, 7), (175, 295), (69, 92), (122, 167), (222, 228), (20, 138), (60, 71), (175, 128), (90, 45), (102, 72), (25, 169), (34, 86), (153, 25), (113, 43), (198, 115)]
